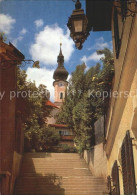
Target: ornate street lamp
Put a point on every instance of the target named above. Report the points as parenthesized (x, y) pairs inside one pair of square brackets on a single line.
[(77, 25)]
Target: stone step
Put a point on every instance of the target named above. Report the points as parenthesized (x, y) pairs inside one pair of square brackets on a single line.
[(52, 155), (47, 181), (52, 160), (63, 192), (33, 165), (23, 185), (67, 188), (38, 160), (45, 155), (57, 174), (44, 168), (37, 170), (83, 178)]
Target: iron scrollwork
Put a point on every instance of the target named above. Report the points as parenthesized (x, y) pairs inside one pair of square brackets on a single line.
[(21, 63)]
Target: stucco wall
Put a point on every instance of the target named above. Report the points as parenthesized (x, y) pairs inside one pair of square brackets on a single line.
[(122, 114), (99, 130), (9, 129), (8, 107), (51, 119), (97, 161), (59, 89), (127, 122)]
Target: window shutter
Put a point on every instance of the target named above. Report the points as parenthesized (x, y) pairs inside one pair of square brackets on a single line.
[(115, 179), (128, 172), (116, 33)]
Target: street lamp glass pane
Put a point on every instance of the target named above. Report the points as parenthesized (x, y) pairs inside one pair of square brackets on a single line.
[(78, 25)]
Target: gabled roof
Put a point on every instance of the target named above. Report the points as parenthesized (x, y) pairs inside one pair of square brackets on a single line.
[(10, 53), (49, 103)]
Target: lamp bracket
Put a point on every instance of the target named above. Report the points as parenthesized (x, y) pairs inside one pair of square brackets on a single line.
[(21, 63), (132, 12)]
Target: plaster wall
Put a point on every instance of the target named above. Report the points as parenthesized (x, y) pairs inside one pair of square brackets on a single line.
[(59, 89), (51, 119), (97, 161), (8, 107), (122, 114)]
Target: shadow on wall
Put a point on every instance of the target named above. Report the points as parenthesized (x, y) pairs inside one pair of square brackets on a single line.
[(97, 161), (33, 181), (99, 130), (96, 157)]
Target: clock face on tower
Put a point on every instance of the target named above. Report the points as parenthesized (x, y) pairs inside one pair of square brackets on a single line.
[(61, 84)]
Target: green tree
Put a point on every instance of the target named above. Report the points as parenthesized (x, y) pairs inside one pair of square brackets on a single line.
[(37, 134), (85, 101), (3, 37)]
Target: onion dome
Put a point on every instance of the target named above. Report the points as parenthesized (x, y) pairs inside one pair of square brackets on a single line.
[(60, 73)]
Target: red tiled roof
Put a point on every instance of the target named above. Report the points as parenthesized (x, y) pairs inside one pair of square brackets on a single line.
[(67, 137), (58, 125), (49, 103)]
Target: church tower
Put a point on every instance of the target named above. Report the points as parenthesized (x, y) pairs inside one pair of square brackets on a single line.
[(60, 84)]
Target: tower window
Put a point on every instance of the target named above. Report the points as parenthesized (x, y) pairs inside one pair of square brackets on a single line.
[(61, 95), (60, 84)]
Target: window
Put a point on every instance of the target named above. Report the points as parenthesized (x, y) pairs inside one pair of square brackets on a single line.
[(61, 95), (60, 132), (116, 33), (109, 184), (61, 84), (113, 181), (128, 172)]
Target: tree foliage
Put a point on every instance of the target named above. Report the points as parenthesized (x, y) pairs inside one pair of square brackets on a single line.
[(87, 98), (37, 135), (3, 37)]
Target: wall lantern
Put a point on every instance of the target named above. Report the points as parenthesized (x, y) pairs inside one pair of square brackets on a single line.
[(77, 25)]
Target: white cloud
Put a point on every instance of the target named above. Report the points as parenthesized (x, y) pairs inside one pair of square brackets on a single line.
[(39, 23), (6, 23), (94, 57), (20, 37), (42, 76), (100, 44), (46, 46), (23, 31), (111, 45), (15, 41)]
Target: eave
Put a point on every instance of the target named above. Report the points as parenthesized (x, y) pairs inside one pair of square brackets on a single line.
[(99, 14)]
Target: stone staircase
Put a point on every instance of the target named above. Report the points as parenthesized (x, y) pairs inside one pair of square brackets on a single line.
[(57, 174)]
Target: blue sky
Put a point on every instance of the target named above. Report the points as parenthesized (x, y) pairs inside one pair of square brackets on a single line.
[(36, 27)]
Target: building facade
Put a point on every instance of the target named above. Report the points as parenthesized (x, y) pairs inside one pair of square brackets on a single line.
[(121, 123), (11, 132)]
